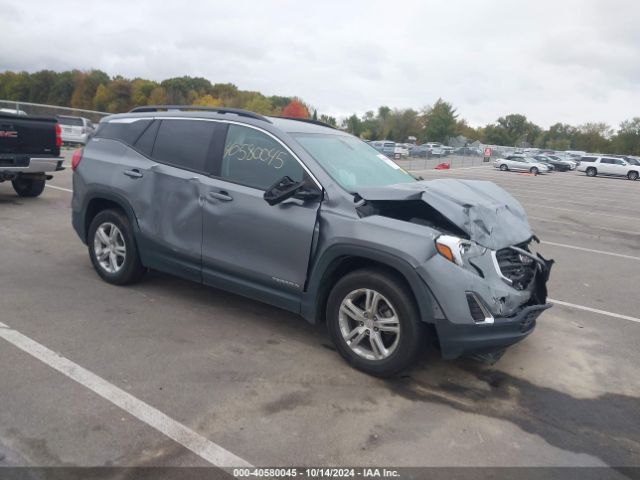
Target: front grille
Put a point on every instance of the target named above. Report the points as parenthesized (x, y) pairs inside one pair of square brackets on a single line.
[(517, 268)]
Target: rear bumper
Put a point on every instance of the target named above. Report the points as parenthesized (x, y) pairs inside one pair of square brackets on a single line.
[(464, 339), (34, 165), (71, 138)]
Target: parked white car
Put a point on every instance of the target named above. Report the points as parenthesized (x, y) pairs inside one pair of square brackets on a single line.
[(402, 149), (76, 129), (618, 167), (521, 163)]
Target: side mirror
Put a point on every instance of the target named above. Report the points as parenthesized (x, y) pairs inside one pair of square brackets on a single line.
[(286, 188)]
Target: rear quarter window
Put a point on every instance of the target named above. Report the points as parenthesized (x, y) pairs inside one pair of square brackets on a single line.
[(125, 132)]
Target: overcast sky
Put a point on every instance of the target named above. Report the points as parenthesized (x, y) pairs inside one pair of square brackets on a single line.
[(563, 60)]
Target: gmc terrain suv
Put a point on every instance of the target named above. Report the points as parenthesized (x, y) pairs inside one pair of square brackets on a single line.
[(315, 221)]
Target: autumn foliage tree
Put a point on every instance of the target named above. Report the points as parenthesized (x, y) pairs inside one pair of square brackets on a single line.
[(295, 109)]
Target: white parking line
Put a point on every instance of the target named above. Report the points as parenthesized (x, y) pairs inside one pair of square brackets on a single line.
[(582, 212), (594, 310), (576, 224), (591, 250), (59, 188), (201, 446)]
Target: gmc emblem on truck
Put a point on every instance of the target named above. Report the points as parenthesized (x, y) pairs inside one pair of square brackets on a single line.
[(8, 134)]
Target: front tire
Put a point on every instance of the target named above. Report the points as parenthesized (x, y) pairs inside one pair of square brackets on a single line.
[(534, 170), (28, 187), (632, 175), (112, 248), (374, 323), (591, 172), (504, 168)]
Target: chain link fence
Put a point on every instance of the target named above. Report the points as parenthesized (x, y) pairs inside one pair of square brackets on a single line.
[(39, 109)]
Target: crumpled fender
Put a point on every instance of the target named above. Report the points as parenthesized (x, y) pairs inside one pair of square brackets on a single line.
[(491, 216)]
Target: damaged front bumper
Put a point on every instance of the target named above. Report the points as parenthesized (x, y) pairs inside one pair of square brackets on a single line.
[(483, 309), (471, 339)]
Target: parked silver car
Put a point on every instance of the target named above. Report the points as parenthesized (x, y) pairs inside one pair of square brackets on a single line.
[(75, 129), (521, 163)]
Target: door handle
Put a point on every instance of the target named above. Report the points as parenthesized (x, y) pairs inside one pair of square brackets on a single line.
[(135, 173), (224, 196)]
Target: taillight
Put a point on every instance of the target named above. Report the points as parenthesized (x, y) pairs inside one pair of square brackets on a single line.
[(75, 160), (58, 135)]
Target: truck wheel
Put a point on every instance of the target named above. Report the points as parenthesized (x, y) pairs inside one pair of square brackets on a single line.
[(113, 249), (632, 175), (28, 187), (591, 172), (374, 323)]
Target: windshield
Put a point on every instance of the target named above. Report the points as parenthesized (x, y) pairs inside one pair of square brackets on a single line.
[(351, 162)]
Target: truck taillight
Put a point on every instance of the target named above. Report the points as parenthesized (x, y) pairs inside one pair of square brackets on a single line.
[(58, 135), (75, 160)]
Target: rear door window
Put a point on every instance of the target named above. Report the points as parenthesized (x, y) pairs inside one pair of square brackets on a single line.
[(255, 159), (184, 143)]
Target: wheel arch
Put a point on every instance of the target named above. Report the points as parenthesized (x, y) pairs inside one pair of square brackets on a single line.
[(341, 259), (102, 200)]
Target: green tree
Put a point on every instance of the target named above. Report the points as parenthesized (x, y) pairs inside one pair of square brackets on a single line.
[(440, 122), (353, 125), (39, 85), (62, 89), (627, 141), (141, 91), (512, 130), (328, 120), (593, 137), (259, 104), (158, 96)]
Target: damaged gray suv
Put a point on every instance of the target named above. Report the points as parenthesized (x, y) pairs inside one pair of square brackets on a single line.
[(315, 221)]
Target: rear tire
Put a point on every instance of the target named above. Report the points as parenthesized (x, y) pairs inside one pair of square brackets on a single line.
[(632, 175), (112, 248), (504, 168), (367, 338), (591, 172), (28, 187)]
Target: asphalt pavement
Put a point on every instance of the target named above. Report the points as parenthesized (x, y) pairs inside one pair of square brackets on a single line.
[(262, 385)]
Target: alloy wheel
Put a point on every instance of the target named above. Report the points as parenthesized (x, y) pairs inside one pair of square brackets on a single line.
[(109, 247), (369, 324)]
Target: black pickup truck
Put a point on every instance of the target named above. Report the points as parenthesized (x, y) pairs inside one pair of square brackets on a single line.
[(29, 152)]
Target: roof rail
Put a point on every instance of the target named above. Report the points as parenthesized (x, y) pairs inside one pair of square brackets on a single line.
[(222, 110), (309, 120)]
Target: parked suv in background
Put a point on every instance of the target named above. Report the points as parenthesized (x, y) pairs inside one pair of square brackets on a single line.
[(75, 129), (315, 221), (593, 166)]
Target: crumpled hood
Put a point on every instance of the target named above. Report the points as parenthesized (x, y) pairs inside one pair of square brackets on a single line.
[(486, 212)]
